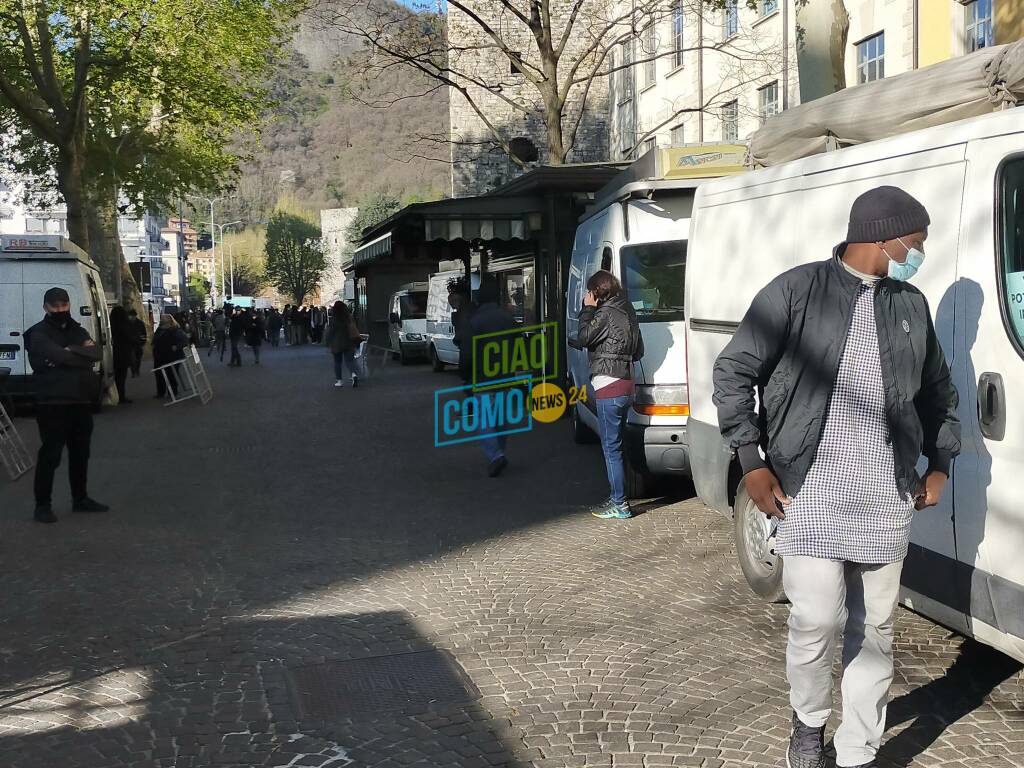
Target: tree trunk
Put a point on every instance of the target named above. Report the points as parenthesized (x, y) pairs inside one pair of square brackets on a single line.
[(105, 240), (556, 136), (822, 27), (71, 183)]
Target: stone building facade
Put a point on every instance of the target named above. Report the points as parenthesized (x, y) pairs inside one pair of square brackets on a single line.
[(478, 162), (333, 222)]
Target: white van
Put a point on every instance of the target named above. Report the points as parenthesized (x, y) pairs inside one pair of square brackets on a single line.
[(441, 347), (964, 568), (29, 266), (639, 234), (407, 322)]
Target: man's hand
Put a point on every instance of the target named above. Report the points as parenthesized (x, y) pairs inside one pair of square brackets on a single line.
[(931, 490), (589, 300), (766, 492), (88, 343)]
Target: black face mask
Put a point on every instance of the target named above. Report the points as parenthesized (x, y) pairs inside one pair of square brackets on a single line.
[(60, 318)]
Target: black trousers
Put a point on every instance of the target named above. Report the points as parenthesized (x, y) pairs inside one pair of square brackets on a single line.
[(61, 425)]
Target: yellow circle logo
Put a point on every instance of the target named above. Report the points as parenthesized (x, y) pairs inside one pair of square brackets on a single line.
[(547, 402)]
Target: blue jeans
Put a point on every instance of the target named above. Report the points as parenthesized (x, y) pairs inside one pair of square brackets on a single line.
[(611, 418), (348, 358)]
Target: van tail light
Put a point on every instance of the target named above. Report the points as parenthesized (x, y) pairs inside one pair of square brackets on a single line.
[(662, 400)]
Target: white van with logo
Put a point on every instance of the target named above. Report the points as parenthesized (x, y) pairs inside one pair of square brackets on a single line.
[(29, 266), (964, 568), (441, 349)]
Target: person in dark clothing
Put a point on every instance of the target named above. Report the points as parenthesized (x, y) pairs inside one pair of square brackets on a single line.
[(488, 318), (609, 331), (236, 329), (254, 332), (341, 338), (220, 333), (138, 331), (274, 327), (169, 343), (122, 339), (62, 356), (854, 389)]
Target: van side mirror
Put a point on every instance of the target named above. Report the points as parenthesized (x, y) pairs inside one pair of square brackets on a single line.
[(393, 317)]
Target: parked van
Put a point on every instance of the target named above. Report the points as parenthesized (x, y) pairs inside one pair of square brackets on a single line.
[(407, 322), (964, 568), (441, 347), (29, 266)]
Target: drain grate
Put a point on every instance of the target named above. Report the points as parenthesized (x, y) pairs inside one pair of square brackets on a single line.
[(400, 683)]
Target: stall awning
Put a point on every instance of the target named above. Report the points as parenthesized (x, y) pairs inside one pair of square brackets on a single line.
[(374, 249)]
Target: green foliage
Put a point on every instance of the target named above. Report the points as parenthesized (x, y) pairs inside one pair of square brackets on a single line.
[(295, 255), (198, 290), (372, 211)]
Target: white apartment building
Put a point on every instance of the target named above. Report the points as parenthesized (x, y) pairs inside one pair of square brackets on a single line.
[(141, 242), (175, 269), (713, 76)]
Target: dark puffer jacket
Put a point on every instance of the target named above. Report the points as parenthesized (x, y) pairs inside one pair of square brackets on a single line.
[(611, 335), (62, 366), (788, 347)]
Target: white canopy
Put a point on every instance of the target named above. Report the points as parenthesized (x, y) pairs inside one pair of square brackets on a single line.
[(976, 84)]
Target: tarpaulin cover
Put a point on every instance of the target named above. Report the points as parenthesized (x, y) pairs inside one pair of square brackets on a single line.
[(967, 86)]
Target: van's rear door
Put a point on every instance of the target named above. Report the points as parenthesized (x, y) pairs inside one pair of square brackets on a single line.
[(12, 319)]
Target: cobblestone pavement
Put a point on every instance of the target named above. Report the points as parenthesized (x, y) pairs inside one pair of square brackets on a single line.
[(289, 524)]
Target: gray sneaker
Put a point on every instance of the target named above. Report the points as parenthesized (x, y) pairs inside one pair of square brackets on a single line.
[(806, 746)]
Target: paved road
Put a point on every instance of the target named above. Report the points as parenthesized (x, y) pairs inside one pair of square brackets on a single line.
[(260, 542)]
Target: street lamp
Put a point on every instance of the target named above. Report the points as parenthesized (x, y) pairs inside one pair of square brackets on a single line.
[(213, 243), (222, 227)]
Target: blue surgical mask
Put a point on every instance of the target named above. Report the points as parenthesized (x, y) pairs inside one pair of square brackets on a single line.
[(908, 268)]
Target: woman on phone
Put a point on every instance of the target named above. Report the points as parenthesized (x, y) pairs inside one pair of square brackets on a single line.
[(609, 331)]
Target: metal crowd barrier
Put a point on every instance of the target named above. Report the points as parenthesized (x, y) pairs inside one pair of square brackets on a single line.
[(190, 377), (15, 456)]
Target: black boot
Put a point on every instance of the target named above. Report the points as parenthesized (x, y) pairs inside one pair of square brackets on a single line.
[(88, 505), (806, 746), (44, 514)]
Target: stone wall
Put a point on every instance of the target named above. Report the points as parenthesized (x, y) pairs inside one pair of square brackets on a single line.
[(478, 163), (333, 222)]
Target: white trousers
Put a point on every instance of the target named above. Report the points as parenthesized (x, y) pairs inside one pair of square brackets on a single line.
[(829, 596)]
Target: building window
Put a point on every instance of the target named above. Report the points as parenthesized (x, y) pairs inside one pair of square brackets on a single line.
[(978, 31), (650, 50), (768, 7), (649, 144), (678, 137), (515, 63), (768, 101), (730, 19), (626, 72), (34, 226), (678, 27), (871, 59), (731, 122)]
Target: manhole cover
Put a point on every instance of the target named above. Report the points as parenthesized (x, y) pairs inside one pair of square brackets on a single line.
[(399, 683)]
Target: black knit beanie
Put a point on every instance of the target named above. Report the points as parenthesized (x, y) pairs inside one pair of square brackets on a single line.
[(885, 213)]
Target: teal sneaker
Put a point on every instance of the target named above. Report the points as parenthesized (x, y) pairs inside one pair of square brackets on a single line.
[(613, 511)]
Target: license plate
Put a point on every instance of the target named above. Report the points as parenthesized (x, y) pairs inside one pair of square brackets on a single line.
[(7, 354)]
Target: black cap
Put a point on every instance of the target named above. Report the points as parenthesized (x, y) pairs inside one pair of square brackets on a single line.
[(885, 213), (56, 296)]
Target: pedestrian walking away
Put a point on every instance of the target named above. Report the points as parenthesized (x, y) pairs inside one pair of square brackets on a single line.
[(220, 334), (122, 339), (856, 389), (342, 338), (169, 343), (487, 318), (274, 327), (63, 355), (138, 329), (236, 330), (254, 333), (610, 332)]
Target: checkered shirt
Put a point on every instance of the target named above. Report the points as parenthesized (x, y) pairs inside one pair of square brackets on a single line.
[(849, 507)]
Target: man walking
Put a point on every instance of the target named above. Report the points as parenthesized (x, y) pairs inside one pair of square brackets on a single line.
[(62, 356), (488, 318), (856, 388), (236, 329), (138, 331), (220, 324)]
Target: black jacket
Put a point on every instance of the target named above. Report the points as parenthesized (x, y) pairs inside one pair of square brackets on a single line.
[(168, 345), (788, 348), (62, 367), (611, 335), (487, 319)]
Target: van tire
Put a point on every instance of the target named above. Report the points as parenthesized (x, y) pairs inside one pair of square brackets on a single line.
[(435, 361), (761, 568), (638, 482), (581, 433)]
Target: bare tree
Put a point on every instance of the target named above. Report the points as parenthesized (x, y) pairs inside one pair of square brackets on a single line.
[(543, 61)]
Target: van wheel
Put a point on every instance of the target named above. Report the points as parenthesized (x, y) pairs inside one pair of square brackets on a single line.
[(435, 362), (581, 433), (638, 482), (761, 567)]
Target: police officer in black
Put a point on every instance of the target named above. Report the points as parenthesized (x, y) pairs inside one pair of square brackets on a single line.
[(62, 356)]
